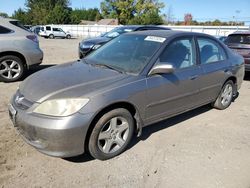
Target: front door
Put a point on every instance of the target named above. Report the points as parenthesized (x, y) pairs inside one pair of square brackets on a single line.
[(172, 93)]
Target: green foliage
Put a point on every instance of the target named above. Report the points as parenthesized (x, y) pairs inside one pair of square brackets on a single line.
[(4, 15), (40, 12), (85, 14), (22, 16), (58, 15), (133, 11)]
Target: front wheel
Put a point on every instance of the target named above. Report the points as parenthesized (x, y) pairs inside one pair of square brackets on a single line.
[(111, 134), (11, 68), (225, 97), (68, 37)]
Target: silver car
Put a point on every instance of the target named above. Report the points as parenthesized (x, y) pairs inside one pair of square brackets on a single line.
[(19, 50), (97, 104)]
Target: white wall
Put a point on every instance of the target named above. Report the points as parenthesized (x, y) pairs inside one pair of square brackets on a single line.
[(86, 31)]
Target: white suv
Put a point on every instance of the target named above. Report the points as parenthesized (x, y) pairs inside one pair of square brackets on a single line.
[(50, 31)]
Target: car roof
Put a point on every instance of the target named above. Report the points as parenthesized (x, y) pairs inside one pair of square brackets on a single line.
[(241, 32), (166, 33), (141, 26), (5, 22)]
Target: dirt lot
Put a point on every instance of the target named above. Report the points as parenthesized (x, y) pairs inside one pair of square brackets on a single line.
[(202, 148)]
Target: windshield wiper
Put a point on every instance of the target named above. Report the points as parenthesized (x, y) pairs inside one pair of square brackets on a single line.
[(109, 67)]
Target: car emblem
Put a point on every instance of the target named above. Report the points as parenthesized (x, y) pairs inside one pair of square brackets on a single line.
[(19, 100)]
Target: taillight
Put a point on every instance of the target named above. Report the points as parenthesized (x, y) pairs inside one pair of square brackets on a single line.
[(33, 38)]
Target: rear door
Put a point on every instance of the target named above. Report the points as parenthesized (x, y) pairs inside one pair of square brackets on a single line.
[(175, 92), (215, 67)]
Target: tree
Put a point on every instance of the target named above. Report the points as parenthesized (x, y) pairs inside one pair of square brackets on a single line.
[(58, 15), (188, 19), (22, 16), (170, 15), (42, 11), (4, 15), (84, 14), (132, 11)]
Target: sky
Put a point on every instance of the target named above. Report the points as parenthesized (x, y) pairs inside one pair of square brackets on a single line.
[(224, 10)]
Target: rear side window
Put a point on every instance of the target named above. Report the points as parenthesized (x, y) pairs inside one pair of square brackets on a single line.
[(19, 24), (180, 53), (4, 30), (239, 39), (210, 51), (48, 28), (56, 29)]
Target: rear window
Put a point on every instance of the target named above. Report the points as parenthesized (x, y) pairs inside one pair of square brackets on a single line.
[(238, 38), (48, 28), (19, 24), (4, 30)]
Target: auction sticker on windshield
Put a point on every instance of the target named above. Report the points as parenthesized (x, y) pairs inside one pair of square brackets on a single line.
[(155, 39)]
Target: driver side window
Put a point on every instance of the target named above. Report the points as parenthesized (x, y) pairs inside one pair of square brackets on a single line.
[(180, 53)]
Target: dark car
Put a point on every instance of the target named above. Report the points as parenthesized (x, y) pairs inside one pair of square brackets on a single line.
[(135, 80), (240, 43), (88, 45)]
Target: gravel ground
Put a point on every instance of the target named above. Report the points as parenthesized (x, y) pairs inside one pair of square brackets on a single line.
[(202, 148)]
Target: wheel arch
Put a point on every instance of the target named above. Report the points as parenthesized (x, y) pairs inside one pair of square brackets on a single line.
[(126, 105), (234, 80), (17, 54)]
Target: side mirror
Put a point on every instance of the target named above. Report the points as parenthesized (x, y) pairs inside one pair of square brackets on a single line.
[(162, 69)]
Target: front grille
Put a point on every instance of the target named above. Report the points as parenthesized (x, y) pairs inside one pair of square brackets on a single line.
[(21, 102)]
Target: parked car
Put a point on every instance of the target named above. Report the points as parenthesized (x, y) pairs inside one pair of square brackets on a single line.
[(135, 80), (36, 29), (240, 43), (50, 31), (19, 50), (89, 45)]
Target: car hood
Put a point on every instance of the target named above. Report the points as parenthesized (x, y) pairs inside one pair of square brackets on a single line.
[(97, 40), (70, 80)]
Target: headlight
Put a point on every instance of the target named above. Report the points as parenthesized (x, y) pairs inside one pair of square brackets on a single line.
[(96, 46), (86, 45), (61, 107)]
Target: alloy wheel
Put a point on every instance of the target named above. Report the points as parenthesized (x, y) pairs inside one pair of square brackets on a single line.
[(10, 69), (113, 135), (226, 95)]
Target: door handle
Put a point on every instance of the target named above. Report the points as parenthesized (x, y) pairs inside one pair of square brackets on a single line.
[(193, 77)]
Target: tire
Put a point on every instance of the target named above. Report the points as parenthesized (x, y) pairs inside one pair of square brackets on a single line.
[(11, 68), (111, 134), (51, 36), (225, 97), (68, 36)]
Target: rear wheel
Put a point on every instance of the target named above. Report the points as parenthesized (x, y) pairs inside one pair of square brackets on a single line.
[(111, 134), (11, 68), (51, 36), (225, 97)]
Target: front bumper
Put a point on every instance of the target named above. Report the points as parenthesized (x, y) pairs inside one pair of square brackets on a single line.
[(54, 136), (83, 52)]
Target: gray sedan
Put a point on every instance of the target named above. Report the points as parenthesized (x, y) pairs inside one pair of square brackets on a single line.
[(98, 103)]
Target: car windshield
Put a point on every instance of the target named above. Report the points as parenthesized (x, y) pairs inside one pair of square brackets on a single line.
[(127, 53), (239, 39), (117, 31), (20, 25)]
